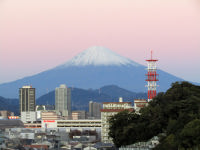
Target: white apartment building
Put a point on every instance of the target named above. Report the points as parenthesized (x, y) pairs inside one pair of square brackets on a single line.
[(110, 109), (28, 117)]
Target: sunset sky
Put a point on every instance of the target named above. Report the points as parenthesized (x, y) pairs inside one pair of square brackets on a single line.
[(36, 35)]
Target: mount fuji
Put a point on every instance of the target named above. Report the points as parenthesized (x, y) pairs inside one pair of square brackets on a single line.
[(98, 56), (93, 68)]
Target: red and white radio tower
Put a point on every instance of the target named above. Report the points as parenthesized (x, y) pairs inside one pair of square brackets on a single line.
[(151, 77)]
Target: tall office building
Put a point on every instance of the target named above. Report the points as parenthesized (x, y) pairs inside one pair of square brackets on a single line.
[(94, 110), (63, 100), (27, 99)]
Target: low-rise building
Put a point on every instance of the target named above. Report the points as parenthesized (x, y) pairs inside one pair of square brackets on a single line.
[(50, 115), (78, 115), (4, 114), (28, 116), (71, 123), (41, 108), (27, 135)]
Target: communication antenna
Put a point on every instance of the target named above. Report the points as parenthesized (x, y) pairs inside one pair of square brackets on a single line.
[(151, 77)]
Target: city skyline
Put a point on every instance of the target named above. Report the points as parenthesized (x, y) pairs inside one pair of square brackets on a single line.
[(45, 34)]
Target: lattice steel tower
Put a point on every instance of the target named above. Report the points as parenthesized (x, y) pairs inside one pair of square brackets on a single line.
[(151, 77)]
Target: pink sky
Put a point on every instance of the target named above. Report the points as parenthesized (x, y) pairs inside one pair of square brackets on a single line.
[(37, 35)]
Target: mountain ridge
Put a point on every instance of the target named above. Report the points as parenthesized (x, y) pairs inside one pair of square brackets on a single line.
[(130, 77), (80, 98)]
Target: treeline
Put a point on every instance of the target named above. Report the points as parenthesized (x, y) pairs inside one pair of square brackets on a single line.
[(11, 105), (175, 113)]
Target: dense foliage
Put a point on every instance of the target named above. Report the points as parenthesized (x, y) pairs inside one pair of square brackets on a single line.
[(175, 113), (11, 105)]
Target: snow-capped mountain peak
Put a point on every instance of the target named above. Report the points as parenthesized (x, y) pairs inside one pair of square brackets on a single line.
[(99, 56)]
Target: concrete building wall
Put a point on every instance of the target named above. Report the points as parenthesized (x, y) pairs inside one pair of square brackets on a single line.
[(27, 136), (27, 99), (77, 124), (49, 115), (4, 114), (94, 110), (78, 115), (30, 116), (63, 100)]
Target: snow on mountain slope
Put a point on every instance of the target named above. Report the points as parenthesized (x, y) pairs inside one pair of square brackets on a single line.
[(93, 68), (99, 56)]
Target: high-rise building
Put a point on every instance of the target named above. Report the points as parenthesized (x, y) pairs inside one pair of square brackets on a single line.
[(26, 99), (94, 110), (63, 100), (110, 109)]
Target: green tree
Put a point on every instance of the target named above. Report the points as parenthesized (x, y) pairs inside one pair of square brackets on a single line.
[(190, 135), (168, 143), (172, 113), (119, 127)]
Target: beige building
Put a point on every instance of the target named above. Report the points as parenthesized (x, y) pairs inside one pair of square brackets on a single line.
[(78, 115), (50, 115), (110, 109), (4, 114)]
